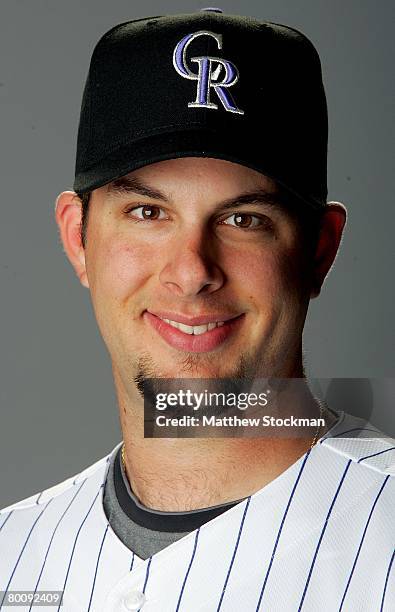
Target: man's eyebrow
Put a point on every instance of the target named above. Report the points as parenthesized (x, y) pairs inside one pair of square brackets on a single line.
[(131, 184), (260, 196)]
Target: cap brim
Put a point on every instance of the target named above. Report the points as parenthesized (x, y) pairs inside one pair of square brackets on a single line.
[(191, 143)]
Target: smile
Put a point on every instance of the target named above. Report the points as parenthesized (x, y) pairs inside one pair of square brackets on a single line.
[(196, 330), (202, 334)]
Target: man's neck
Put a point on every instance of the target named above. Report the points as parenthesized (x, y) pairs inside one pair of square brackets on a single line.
[(178, 478), (180, 474)]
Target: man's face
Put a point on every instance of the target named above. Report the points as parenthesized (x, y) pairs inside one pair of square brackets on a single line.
[(196, 241)]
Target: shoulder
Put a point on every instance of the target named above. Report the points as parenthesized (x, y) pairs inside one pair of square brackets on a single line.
[(94, 473), (362, 443), (358, 462), (48, 523)]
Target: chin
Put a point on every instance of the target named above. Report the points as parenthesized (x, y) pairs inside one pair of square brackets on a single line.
[(197, 365)]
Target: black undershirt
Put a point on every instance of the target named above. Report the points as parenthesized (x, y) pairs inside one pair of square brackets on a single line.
[(157, 519), (143, 530)]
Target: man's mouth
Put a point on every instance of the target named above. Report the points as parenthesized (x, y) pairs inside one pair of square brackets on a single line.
[(194, 334), (196, 330)]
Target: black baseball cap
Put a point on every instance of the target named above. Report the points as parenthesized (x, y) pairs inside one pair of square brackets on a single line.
[(205, 84)]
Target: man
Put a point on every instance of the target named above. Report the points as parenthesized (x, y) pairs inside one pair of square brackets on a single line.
[(199, 224)]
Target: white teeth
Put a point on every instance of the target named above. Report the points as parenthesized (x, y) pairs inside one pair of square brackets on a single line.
[(197, 330), (184, 328)]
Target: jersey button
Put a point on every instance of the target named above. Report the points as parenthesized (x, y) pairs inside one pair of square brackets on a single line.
[(134, 600)]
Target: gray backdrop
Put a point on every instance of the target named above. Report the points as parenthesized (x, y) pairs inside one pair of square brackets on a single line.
[(58, 405)]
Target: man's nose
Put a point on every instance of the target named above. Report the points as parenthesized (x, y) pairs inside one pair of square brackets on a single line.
[(191, 267)]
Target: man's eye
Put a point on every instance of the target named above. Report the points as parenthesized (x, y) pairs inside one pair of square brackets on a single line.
[(244, 220), (146, 212)]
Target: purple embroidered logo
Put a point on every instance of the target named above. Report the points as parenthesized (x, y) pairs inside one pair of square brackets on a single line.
[(208, 75)]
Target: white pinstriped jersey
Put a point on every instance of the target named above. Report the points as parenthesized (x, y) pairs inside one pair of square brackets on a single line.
[(320, 537)]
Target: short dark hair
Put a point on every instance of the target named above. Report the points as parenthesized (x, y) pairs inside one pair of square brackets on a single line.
[(307, 218), (85, 200)]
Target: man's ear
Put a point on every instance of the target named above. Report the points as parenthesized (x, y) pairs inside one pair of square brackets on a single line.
[(68, 214), (332, 224)]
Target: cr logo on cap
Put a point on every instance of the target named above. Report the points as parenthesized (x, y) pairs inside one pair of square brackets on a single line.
[(209, 70)]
